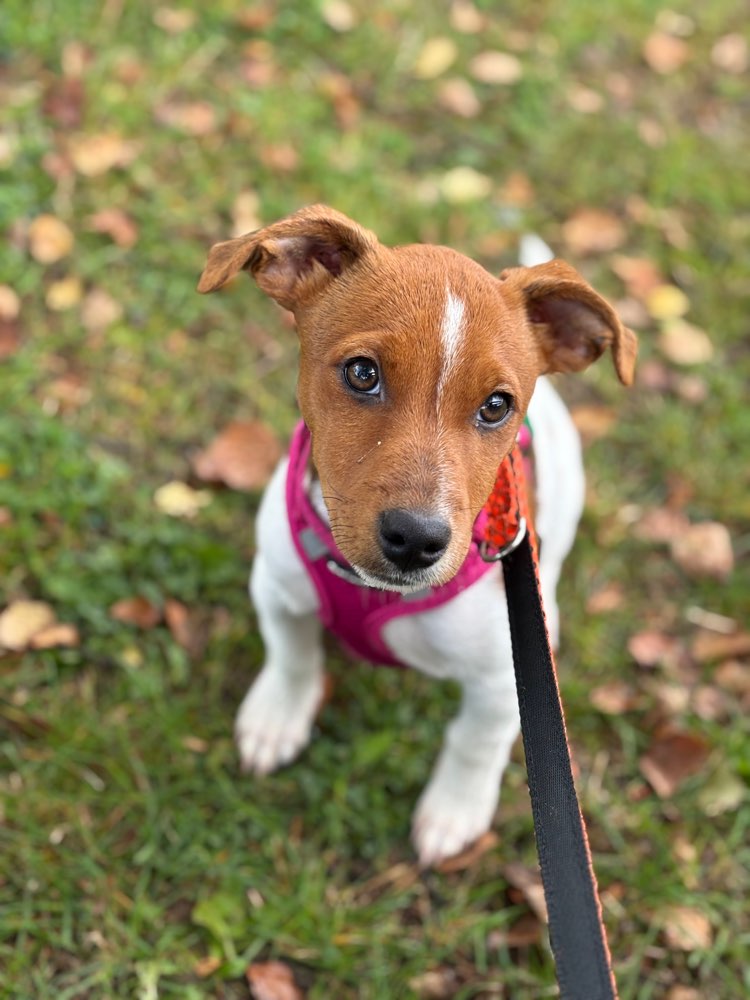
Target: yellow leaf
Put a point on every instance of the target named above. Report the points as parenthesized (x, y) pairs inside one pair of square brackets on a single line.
[(667, 302), (685, 344), (435, 57), (180, 500), (21, 621), (64, 294), (338, 15), (464, 184), (93, 155)]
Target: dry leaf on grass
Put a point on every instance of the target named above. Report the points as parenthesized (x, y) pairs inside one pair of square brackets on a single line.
[(591, 230), (667, 302), (593, 421), (528, 882), (64, 294), (665, 53), (197, 118), (496, 67), (21, 621), (10, 303), (116, 224), (459, 97), (338, 15), (660, 524), (673, 757), (434, 58), (704, 550), (180, 500), (49, 239), (136, 611), (99, 310), (684, 928), (272, 981), (469, 857), (242, 456), (613, 698), (731, 53), (652, 648), (10, 338), (685, 344), (462, 185), (435, 984), (709, 646), (526, 931), (639, 275), (55, 636), (94, 155)]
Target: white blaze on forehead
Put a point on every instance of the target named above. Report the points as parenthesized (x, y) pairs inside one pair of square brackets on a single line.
[(451, 334)]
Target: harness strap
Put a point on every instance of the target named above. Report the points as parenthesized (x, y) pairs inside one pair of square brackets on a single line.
[(576, 928)]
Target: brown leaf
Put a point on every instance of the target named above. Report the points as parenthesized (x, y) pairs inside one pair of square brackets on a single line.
[(10, 338), (338, 15), (64, 101), (136, 611), (242, 456), (459, 98), (613, 698), (608, 598), (731, 53), (99, 310), (664, 53), (524, 932), (593, 421), (465, 18), (21, 621), (652, 648), (10, 303), (469, 857), (185, 626), (528, 881), (56, 635), (196, 118), (708, 646), (704, 550), (639, 275), (660, 524), (674, 756), (592, 231), (685, 928), (49, 239), (116, 224), (174, 20), (272, 981), (206, 966), (684, 993)]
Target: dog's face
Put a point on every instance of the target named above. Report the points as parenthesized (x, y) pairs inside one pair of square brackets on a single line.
[(416, 369)]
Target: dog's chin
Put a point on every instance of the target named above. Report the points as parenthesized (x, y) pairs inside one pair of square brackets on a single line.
[(405, 582)]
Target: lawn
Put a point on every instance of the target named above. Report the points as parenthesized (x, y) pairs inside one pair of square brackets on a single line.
[(135, 860)]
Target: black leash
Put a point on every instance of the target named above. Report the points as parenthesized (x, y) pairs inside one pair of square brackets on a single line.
[(576, 930)]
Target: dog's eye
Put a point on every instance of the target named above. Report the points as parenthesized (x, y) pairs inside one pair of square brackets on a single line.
[(495, 409), (362, 375)]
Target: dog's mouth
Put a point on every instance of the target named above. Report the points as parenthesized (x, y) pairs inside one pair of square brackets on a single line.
[(412, 582)]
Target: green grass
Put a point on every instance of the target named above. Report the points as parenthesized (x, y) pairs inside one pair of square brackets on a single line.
[(131, 850)]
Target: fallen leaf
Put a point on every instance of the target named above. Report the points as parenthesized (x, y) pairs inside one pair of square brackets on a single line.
[(197, 118), (466, 18), (99, 310), (673, 757), (459, 97), (434, 58), (49, 239), (731, 54), (613, 698), (639, 275), (683, 993), (10, 303), (593, 231), (64, 101), (652, 648), (94, 155), (206, 966), (607, 598), (496, 67), (174, 20), (136, 611), (667, 302), (10, 338), (704, 550), (338, 15), (21, 621), (116, 224), (185, 627), (528, 881), (517, 190), (684, 928), (281, 156), (584, 100), (64, 294), (56, 635), (272, 981), (242, 456), (708, 702), (435, 984), (685, 344), (660, 524), (526, 931), (709, 646), (462, 185), (180, 500), (724, 792), (665, 53), (469, 857)]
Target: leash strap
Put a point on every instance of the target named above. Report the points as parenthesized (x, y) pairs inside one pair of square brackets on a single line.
[(576, 928)]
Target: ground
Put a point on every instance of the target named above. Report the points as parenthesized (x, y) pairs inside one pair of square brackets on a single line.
[(136, 860)]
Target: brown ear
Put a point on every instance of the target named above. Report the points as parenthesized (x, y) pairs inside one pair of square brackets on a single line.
[(292, 260), (573, 324)]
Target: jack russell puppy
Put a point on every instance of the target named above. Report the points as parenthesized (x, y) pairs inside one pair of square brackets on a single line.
[(417, 370)]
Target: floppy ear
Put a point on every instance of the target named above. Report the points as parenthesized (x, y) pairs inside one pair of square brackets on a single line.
[(291, 260), (572, 323)]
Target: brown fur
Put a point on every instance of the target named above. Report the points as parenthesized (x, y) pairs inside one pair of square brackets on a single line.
[(352, 297)]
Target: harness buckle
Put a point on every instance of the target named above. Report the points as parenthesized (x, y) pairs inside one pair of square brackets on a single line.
[(490, 556)]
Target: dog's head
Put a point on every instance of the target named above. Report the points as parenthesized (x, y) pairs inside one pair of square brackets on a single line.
[(416, 369)]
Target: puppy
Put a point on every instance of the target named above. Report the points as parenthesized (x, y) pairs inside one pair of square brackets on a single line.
[(417, 369)]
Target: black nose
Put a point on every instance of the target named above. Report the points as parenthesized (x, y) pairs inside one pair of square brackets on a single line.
[(412, 540)]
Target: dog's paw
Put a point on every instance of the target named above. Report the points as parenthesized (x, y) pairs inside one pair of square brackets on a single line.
[(456, 807), (275, 718)]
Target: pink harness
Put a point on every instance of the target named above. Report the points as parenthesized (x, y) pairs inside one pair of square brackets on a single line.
[(355, 613)]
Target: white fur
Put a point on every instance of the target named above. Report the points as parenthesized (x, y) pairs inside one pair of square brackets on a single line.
[(466, 640), (451, 336)]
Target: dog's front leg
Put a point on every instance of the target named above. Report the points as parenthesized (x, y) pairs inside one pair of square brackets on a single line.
[(459, 802)]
